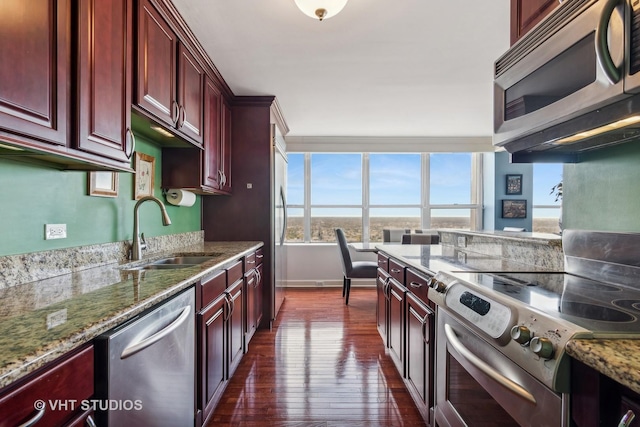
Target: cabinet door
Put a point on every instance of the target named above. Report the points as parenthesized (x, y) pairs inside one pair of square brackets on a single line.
[(225, 148), (67, 380), (190, 94), (235, 325), (396, 294), (34, 87), (525, 14), (212, 127), (156, 66), (259, 293), (419, 354), (382, 311), (212, 364), (250, 311), (104, 78)]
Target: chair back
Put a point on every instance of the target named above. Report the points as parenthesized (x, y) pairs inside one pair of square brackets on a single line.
[(345, 256)]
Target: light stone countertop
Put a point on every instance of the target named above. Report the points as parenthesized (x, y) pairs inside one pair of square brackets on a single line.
[(40, 321), (618, 359)]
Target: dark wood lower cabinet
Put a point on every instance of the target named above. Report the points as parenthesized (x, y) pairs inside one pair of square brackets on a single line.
[(235, 324), (395, 333), (211, 322), (382, 308), (419, 360), (599, 401)]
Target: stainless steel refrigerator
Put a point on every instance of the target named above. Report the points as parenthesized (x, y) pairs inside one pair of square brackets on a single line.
[(280, 216), (255, 211)]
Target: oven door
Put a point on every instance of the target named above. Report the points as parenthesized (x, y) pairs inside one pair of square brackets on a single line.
[(477, 386)]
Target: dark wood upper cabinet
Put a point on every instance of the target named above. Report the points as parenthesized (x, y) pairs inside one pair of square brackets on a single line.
[(525, 14), (190, 94), (35, 70), (169, 78), (104, 78), (203, 171)]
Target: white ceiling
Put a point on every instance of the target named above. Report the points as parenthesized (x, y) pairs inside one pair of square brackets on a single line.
[(407, 68)]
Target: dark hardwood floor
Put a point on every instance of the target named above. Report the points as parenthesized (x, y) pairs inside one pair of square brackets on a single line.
[(323, 364)]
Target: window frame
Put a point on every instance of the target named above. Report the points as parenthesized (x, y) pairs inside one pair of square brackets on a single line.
[(475, 206)]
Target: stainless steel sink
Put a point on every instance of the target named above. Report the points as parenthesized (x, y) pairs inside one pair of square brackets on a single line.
[(177, 260)]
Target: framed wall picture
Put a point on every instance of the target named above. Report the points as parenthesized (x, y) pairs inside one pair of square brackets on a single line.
[(514, 184), (102, 184), (145, 172), (514, 209)]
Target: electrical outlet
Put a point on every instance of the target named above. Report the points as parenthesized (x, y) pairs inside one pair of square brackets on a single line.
[(55, 231)]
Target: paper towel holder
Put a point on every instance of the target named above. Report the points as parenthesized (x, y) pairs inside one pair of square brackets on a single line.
[(179, 197)]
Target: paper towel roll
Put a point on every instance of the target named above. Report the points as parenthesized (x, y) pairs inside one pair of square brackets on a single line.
[(179, 197)]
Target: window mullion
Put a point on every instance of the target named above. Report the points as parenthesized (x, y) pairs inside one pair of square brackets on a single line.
[(365, 198)]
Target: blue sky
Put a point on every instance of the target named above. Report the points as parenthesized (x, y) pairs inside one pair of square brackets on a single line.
[(336, 179)]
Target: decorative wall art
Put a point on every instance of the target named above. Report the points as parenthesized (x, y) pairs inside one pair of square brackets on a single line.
[(514, 184), (514, 209), (145, 172)]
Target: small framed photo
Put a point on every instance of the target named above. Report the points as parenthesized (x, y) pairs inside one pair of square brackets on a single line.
[(514, 209), (102, 184), (144, 176), (514, 184)]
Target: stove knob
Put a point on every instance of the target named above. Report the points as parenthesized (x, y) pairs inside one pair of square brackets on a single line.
[(542, 346), (438, 286), (521, 334)]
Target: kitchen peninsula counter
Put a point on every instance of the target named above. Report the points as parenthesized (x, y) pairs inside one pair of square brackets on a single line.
[(42, 320), (618, 359)]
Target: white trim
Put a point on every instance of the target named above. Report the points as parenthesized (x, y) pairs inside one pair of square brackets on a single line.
[(383, 144), (355, 283)]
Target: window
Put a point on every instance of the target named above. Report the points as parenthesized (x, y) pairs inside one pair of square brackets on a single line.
[(364, 193), (546, 204)]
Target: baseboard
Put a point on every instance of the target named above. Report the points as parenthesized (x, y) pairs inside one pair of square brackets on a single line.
[(355, 283)]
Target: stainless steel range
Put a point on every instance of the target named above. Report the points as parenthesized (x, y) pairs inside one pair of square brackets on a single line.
[(500, 339)]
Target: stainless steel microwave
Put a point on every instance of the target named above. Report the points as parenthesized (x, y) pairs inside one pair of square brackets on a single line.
[(571, 84)]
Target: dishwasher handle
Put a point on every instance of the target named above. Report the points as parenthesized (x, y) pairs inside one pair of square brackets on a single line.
[(146, 342)]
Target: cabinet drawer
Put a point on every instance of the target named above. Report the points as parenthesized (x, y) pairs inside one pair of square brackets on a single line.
[(383, 261), (396, 270), (259, 256), (68, 382), (418, 285), (250, 261), (212, 286), (234, 273)]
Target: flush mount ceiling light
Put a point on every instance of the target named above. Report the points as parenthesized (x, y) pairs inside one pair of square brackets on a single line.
[(321, 9)]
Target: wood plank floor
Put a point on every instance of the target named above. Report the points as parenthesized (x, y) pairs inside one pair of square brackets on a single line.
[(323, 364)]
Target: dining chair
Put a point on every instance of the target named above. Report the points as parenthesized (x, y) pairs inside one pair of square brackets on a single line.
[(352, 269)]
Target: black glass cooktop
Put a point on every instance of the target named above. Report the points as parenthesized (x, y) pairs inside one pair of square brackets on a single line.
[(593, 305)]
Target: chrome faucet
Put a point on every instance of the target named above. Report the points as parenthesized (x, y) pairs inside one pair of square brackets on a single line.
[(139, 244)]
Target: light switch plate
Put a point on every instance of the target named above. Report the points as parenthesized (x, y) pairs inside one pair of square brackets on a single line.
[(55, 231)]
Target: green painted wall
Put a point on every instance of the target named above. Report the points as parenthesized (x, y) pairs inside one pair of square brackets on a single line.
[(33, 196), (603, 191)]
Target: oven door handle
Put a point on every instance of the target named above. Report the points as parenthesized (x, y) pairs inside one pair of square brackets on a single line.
[(484, 367)]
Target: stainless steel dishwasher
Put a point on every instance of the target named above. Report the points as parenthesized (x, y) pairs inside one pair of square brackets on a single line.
[(145, 368)]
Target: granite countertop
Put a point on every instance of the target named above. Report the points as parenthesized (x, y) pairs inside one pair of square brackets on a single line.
[(524, 236), (618, 359), (433, 258), (42, 320)]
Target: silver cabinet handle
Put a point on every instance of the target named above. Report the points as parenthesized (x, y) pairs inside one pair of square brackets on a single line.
[(602, 45), (627, 419), (183, 116), (484, 367), (395, 270), (146, 342), (415, 285), (129, 148), (35, 418), (175, 112), (227, 301)]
